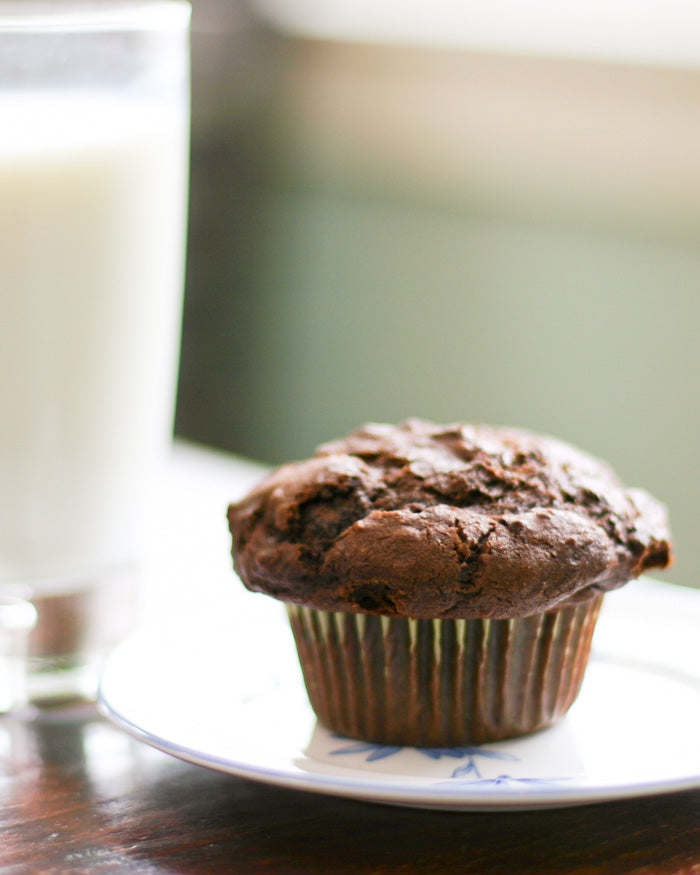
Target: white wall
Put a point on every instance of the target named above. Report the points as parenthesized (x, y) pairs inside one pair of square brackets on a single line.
[(567, 301), (382, 232)]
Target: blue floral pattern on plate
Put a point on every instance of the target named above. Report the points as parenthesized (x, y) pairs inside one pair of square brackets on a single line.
[(500, 781), (468, 754)]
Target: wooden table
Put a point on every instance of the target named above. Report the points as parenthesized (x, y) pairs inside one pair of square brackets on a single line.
[(79, 796)]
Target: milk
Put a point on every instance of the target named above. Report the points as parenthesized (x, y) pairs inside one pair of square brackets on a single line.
[(92, 233)]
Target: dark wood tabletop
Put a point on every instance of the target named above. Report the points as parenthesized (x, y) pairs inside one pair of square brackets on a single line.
[(79, 796)]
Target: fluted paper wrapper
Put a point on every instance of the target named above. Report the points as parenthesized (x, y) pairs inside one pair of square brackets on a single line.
[(442, 683)]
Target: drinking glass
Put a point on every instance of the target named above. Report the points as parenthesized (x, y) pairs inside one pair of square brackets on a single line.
[(94, 144)]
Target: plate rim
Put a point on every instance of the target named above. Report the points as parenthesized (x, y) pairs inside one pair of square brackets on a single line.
[(433, 795)]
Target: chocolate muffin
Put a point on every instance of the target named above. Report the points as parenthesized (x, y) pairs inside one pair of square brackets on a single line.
[(443, 582)]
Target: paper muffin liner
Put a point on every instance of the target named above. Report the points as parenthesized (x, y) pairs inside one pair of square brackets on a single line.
[(442, 683)]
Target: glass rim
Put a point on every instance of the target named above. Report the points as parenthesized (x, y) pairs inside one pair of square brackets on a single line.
[(91, 16)]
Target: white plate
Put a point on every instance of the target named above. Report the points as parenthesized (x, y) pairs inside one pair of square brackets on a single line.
[(230, 697)]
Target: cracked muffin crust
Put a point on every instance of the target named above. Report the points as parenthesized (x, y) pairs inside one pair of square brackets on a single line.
[(427, 521)]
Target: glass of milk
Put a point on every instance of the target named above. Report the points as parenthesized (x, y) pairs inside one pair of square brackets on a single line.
[(94, 136)]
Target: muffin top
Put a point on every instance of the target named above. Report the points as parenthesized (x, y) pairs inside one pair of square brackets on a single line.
[(427, 521)]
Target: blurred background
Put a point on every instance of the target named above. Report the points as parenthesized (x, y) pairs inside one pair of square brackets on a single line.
[(481, 211)]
